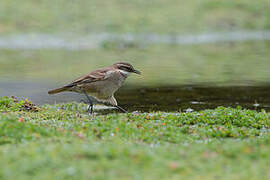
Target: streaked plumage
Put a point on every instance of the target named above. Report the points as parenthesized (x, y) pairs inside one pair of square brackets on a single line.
[(101, 83)]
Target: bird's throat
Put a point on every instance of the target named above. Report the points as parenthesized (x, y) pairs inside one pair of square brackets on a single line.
[(125, 74)]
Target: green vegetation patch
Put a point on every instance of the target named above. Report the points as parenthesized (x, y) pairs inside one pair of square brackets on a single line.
[(157, 127), (15, 130), (13, 104), (64, 139), (117, 160), (171, 16)]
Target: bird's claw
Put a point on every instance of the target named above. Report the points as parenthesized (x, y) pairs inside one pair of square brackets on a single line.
[(89, 108)]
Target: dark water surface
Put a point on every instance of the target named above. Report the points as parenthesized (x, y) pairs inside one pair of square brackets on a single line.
[(132, 98), (189, 98)]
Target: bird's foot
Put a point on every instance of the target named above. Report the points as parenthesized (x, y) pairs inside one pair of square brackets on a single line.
[(122, 109), (118, 107), (89, 107)]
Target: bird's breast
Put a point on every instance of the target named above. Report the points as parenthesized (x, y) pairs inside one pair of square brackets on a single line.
[(106, 88)]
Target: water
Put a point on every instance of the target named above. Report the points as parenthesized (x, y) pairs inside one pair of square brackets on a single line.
[(169, 99), (186, 98), (92, 41), (190, 98)]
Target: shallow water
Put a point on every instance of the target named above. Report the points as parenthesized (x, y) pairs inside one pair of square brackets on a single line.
[(190, 98), (169, 99)]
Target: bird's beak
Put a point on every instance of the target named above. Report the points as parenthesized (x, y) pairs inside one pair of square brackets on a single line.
[(137, 72)]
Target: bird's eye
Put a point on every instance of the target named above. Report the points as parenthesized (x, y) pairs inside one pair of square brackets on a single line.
[(126, 68)]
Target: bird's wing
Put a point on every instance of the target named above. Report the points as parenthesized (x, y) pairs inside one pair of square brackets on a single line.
[(97, 75)]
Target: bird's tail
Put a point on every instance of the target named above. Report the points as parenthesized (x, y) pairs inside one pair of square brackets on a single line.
[(58, 90)]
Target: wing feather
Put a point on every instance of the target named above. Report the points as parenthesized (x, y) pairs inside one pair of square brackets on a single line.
[(97, 75)]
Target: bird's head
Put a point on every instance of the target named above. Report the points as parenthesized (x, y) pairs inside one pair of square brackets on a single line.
[(125, 68)]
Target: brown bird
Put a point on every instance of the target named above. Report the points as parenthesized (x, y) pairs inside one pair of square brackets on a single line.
[(100, 84)]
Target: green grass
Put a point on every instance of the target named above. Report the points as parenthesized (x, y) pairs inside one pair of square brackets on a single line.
[(63, 142), (224, 63), (137, 16)]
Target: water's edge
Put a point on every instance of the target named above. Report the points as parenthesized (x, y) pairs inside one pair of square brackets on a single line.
[(145, 99)]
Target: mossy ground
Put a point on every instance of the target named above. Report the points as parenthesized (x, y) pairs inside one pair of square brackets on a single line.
[(224, 143)]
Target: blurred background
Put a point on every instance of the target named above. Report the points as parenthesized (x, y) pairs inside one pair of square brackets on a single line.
[(175, 43)]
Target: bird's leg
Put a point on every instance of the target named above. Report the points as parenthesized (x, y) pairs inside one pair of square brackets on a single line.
[(121, 109), (90, 107)]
